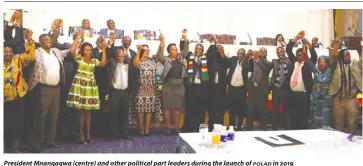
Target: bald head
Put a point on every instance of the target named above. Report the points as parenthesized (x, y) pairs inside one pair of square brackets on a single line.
[(126, 41), (241, 53), (86, 24)]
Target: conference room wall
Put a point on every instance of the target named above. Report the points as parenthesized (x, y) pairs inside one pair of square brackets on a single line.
[(256, 22)]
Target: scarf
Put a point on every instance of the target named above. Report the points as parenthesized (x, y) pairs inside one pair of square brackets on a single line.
[(278, 82), (203, 76)]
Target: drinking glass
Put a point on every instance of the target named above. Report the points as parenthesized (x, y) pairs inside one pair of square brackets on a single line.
[(203, 129)]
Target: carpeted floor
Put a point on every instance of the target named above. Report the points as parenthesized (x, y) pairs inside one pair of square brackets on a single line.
[(156, 143)]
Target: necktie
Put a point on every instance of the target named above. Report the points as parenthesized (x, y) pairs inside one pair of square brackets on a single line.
[(281, 72), (255, 72), (198, 70), (122, 78), (296, 75), (127, 52)]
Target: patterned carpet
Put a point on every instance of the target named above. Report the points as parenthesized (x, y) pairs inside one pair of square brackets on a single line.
[(158, 143)]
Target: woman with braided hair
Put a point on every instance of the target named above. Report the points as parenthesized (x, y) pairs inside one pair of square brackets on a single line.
[(344, 89)]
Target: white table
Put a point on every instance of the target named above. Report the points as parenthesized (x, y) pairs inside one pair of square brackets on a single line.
[(315, 141)]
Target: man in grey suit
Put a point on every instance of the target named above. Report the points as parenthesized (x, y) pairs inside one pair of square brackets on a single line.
[(87, 27), (258, 86), (119, 33)]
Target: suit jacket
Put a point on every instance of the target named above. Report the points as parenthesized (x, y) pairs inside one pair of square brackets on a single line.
[(111, 54), (80, 28), (167, 63), (112, 66), (263, 74), (118, 32), (232, 65), (217, 63), (55, 42), (36, 72), (356, 82), (17, 42), (305, 70), (100, 72), (276, 70)]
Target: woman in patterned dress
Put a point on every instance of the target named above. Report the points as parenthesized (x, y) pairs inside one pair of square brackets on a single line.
[(83, 95), (146, 95), (321, 104), (15, 88)]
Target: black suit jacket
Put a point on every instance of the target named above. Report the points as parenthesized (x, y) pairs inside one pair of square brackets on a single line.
[(306, 70), (112, 66), (216, 63), (232, 67), (263, 84), (276, 70), (16, 42)]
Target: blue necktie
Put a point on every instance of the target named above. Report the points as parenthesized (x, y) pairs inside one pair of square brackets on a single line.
[(122, 78)]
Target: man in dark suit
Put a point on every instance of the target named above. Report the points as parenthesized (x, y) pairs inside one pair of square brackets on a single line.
[(86, 25), (13, 34), (120, 78), (119, 33), (237, 88), (301, 84), (280, 87), (217, 85), (258, 87)]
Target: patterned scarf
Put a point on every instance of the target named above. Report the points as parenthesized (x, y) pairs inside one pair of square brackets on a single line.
[(204, 69), (283, 67)]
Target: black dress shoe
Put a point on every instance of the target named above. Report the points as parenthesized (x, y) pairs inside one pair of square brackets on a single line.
[(35, 150), (52, 145)]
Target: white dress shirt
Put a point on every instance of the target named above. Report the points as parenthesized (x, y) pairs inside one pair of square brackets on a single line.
[(237, 79), (51, 68), (109, 31), (300, 87), (13, 32), (117, 83), (127, 51)]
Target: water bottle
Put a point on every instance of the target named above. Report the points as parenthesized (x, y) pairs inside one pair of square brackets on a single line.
[(355, 138), (343, 44), (230, 134), (224, 134)]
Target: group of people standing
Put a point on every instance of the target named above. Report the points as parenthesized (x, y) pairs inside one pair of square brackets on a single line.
[(80, 76)]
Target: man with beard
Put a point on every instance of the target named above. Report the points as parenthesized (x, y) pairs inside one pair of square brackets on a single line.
[(344, 88), (237, 88), (258, 86)]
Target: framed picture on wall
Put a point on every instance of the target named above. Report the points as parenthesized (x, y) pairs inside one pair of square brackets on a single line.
[(145, 35)]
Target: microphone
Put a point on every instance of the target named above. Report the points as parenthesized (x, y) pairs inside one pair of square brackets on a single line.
[(249, 38), (355, 32)]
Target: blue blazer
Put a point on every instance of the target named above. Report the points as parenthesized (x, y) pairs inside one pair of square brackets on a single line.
[(118, 32)]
